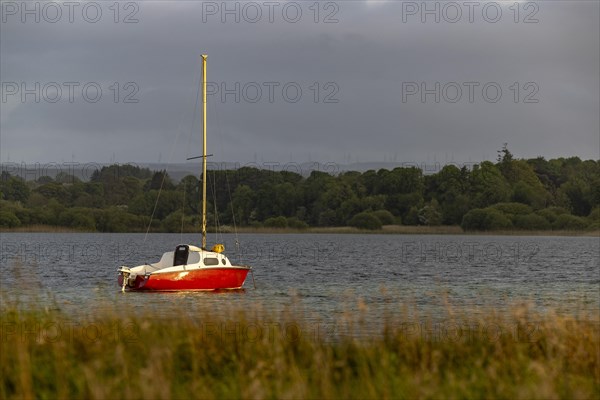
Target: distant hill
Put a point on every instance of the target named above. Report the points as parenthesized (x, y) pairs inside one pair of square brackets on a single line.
[(84, 171)]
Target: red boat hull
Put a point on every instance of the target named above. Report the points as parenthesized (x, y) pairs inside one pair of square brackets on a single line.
[(198, 279)]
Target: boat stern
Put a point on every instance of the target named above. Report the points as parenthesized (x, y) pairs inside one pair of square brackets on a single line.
[(130, 280)]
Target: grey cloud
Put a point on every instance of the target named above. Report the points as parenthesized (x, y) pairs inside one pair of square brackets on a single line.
[(368, 55)]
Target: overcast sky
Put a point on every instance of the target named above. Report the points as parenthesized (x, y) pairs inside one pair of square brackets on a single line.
[(361, 67)]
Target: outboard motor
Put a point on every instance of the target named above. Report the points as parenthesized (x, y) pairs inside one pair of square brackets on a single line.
[(181, 255)]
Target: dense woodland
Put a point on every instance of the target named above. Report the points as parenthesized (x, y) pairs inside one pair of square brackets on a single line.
[(533, 194)]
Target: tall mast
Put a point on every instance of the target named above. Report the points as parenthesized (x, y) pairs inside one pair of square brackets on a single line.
[(204, 58)]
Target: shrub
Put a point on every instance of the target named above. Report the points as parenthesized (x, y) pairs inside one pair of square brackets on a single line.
[(41, 216), (9, 219), (412, 217), (429, 215), (172, 223), (551, 213), (276, 222), (594, 226), (513, 208), (594, 216), (474, 219), (77, 218), (532, 195), (116, 220), (569, 222), (24, 215), (295, 223), (384, 216), (365, 220), (496, 221), (531, 222), (485, 219), (327, 218)]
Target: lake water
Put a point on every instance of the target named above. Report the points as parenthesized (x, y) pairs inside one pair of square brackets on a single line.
[(330, 275)]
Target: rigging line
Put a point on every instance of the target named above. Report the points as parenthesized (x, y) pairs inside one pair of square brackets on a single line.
[(156, 202), (220, 229), (197, 85), (210, 189), (219, 234), (220, 130), (182, 212), (162, 182), (214, 198), (173, 146), (237, 242)]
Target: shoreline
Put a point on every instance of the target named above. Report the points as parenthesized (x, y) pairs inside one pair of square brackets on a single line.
[(386, 230)]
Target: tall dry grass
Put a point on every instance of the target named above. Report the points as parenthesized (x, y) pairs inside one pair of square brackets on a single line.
[(254, 353)]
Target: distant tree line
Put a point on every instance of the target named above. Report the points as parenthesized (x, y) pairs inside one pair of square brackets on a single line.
[(532, 194)]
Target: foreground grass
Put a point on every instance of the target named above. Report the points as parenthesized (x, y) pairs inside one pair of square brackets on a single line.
[(516, 353)]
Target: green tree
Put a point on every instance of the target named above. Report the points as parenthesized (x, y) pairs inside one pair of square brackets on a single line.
[(504, 155), (55, 191), (578, 193), (191, 188), (412, 216), (488, 186), (400, 181), (525, 184), (401, 204), (327, 218), (9, 219), (243, 203), (431, 214), (42, 180), (548, 172), (160, 179), (115, 219), (313, 188), (13, 188), (285, 201), (450, 187), (63, 177), (535, 196), (115, 172), (177, 222), (350, 208), (369, 180), (332, 199)]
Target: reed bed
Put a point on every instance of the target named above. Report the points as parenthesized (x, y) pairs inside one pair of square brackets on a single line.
[(254, 353)]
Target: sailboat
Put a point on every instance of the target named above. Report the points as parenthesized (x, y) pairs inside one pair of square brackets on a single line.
[(188, 267)]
